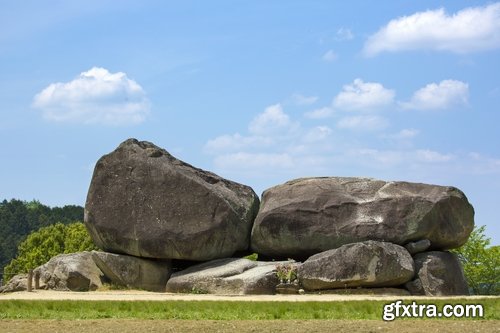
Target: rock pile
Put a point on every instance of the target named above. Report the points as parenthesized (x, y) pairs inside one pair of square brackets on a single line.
[(148, 210)]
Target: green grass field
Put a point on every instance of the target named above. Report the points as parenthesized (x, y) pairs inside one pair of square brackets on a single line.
[(214, 310)]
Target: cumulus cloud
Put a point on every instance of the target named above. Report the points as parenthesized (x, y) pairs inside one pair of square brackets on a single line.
[(469, 30), (329, 56), (321, 113), (440, 95), (363, 96), (344, 34), (254, 160), (363, 123), (94, 97), (272, 120), (318, 133), (300, 99), (404, 134), (236, 142)]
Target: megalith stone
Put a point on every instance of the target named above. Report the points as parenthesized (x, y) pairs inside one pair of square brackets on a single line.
[(74, 271), (365, 264), (134, 272), (230, 276), (438, 274), (144, 202), (310, 215)]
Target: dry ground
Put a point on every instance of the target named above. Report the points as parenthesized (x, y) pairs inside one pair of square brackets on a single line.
[(243, 326), (135, 295)]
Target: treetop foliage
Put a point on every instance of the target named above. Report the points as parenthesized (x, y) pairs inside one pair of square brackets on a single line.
[(19, 218)]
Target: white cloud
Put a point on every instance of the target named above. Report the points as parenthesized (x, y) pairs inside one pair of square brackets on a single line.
[(329, 56), (94, 97), (363, 123), (300, 99), (430, 156), (407, 133), (440, 95), (254, 160), (321, 113), (318, 133), (344, 34), (363, 96), (236, 142), (391, 158), (469, 30), (273, 120)]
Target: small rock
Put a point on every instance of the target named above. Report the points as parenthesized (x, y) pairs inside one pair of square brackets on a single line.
[(419, 246)]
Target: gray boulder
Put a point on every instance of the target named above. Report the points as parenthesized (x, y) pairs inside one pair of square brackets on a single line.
[(418, 246), (226, 276), (438, 274), (17, 283), (133, 272), (144, 202), (310, 215), (366, 264), (75, 272)]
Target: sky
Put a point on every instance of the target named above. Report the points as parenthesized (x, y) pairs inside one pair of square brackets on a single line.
[(259, 92)]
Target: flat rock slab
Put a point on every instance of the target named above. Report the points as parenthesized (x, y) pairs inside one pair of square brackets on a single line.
[(17, 283), (231, 276), (365, 264), (310, 215), (144, 202), (133, 272), (74, 271), (438, 274)]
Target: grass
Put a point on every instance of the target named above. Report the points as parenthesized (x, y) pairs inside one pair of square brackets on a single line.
[(212, 310)]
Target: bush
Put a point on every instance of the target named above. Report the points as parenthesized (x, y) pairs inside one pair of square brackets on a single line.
[(481, 263), (46, 243)]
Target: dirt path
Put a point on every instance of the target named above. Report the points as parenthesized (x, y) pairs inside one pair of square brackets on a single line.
[(134, 295), (243, 326)]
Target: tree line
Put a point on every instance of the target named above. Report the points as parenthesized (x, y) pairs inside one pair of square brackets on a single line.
[(20, 218)]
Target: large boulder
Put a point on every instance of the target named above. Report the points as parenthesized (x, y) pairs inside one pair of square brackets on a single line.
[(133, 272), (438, 274), (366, 264), (310, 215), (74, 271), (230, 276), (144, 202)]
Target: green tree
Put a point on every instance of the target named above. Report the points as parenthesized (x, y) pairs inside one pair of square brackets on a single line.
[(19, 218), (46, 243), (481, 263)]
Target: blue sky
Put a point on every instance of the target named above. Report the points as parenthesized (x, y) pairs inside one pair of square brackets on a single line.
[(259, 92)]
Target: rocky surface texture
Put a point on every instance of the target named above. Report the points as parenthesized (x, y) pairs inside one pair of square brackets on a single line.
[(147, 209), (133, 272), (438, 274), (75, 272), (310, 215), (144, 202), (366, 264), (16, 283), (226, 276)]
